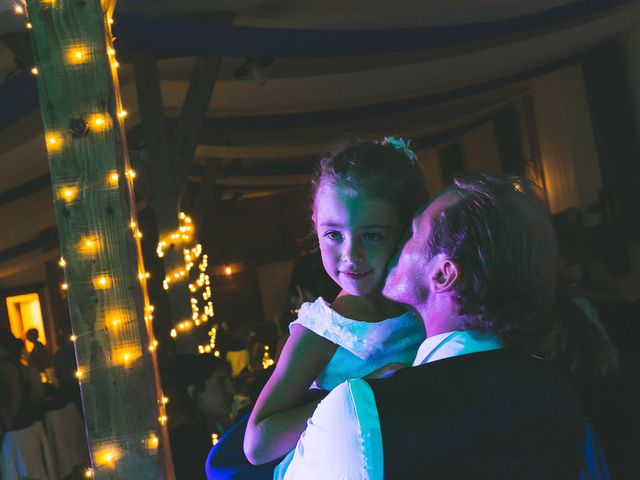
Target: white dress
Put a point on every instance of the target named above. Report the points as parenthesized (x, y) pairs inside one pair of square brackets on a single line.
[(363, 347)]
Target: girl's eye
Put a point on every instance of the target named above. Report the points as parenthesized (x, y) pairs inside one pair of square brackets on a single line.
[(333, 235), (373, 236)]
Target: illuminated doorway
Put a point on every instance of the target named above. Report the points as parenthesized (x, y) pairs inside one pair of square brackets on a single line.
[(25, 313)]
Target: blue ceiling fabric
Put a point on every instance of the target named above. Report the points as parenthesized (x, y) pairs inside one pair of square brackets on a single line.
[(169, 37)]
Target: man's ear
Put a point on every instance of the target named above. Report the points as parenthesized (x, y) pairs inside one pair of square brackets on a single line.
[(444, 276)]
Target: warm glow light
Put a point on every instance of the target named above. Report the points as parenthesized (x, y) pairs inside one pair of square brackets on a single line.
[(174, 333), (54, 142), (77, 55), (163, 420), (35, 71), (122, 113), (131, 174), (18, 9), (64, 286), (227, 270), (125, 356), (101, 282), (78, 374), (113, 178), (214, 438), (99, 122), (110, 21), (29, 26), (89, 245), (114, 318), (111, 51), (165, 400), (73, 338), (88, 473), (62, 262), (115, 64), (68, 193), (107, 456), (152, 441)]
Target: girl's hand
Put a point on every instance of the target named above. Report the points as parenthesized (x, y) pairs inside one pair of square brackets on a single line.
[(387, 370)]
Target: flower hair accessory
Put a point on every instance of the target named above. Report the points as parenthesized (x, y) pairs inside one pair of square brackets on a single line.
[(402, 146)]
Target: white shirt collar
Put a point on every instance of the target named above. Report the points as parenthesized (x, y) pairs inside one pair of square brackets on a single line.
[(454, 343)]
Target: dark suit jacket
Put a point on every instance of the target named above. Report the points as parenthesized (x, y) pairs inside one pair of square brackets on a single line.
[(491, 415)]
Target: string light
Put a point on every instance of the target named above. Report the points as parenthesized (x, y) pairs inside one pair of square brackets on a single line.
[(34, 71), (73, 338), (152, 441), (77, 55), (62, 262), (214, 438), (267, 361), (64, 286), (99, 122), (227, 270), (122, 114), (29, 26), (18, 9), (88, 473), (107, 456), (54, 142), (79, 374), (101, 282), (68, 193), (89, 245), (113, 179)]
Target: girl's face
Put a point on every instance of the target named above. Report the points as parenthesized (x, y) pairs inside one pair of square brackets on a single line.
[(357, 238), (215, 400)]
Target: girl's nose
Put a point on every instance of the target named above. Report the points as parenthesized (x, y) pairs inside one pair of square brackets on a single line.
[(352, 253)]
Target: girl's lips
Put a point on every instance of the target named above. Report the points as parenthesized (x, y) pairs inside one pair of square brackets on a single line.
[(356, 275)]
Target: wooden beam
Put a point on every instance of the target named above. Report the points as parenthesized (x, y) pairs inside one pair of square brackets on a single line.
[(192, 115)]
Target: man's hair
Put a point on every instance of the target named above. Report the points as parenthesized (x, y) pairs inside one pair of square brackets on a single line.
[(500, 235)]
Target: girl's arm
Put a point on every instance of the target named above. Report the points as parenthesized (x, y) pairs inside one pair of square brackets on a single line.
[(276, 422)]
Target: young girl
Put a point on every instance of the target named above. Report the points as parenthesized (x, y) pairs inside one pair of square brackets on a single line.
[(364, 198)]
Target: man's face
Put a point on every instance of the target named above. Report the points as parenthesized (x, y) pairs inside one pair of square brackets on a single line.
[(408, 274)]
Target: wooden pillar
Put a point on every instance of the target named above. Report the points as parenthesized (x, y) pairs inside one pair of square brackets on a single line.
[(94, 207), (169, 160)]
